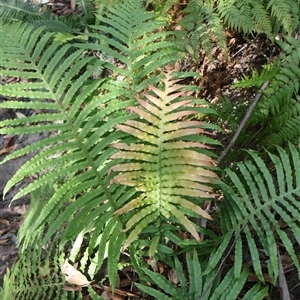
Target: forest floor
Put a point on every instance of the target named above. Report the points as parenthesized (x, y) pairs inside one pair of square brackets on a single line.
[(215, 81)]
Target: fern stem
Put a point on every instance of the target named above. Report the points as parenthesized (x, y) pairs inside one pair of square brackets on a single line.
[(244, 121)]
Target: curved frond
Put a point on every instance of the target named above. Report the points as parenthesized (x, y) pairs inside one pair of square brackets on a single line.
[(260, 203)]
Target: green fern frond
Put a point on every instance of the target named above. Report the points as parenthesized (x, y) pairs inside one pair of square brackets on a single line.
[(259, 16), (204, 27), (237, 14), (75, 157), (198, 285), (257, 203), (133, 37), (257, 79), (161, 166), (38, 271), (12, 11), (286, 128), (278, 108), (36, 274), (282, 12)]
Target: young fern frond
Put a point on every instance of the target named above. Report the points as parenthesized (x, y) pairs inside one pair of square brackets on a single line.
[(257, 203), (164, 167)]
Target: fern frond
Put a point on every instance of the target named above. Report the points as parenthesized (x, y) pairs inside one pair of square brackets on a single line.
[(258, 17), (257, 79), (237, 14), (35, 274), (199, 286), (282, 12), (289, 131), (12, 11), (203, 26), (75, 157), (257, 215), (133, 37), (278, 109), (168, 169)]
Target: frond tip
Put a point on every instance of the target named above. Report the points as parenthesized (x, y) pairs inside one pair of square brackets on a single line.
[(167, 171)]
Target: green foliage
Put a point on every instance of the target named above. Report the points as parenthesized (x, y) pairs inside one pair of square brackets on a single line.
[(254, 198), (204, 21), (41, 280), (12, 11), (129, 163), (200, 284), (278, 109), (136, 41), (204, 27), (260, 16), (257, 79), (79, 159)]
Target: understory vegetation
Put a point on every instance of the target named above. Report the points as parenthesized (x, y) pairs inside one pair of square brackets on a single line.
[(137, 171)]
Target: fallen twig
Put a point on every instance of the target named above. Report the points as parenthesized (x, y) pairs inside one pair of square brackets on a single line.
[(282, 280), (244, 121)]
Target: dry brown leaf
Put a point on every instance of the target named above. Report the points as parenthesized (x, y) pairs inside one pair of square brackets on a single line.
[(20, 115), (8, 149), (107, 289), (172, 275), (3, 241), (73, 4), (125, 282), (253, 278), (3, 269), (4, 221), (70, 288), (72, 275), (8, 140), (20, 210)]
